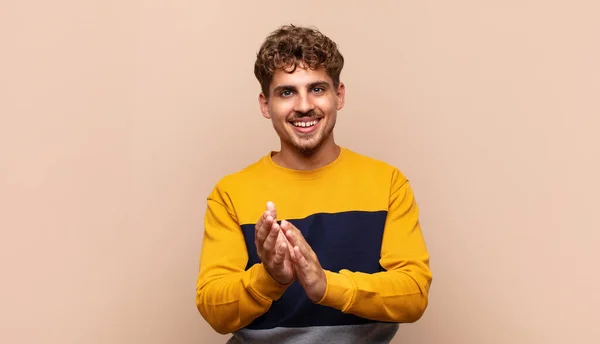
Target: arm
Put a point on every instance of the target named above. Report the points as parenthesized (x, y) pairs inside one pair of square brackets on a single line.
[(228, 296), (399, 294)]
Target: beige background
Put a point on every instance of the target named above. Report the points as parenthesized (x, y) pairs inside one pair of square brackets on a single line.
[(118, 117)]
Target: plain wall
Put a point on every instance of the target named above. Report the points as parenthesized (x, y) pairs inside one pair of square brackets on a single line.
[(118, 118)]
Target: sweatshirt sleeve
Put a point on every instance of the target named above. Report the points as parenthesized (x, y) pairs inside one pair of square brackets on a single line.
[(400, 293), (228, 296)]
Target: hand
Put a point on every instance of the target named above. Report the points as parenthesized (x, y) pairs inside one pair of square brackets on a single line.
[(272, 247), (308, 270)]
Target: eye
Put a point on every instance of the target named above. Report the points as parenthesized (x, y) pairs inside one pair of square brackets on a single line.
[(286, 93), (318, 90)]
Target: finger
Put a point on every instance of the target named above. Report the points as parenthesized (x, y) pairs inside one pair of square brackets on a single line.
[(290, 247), (288, 230), (300, 260), (295, 237), (280, 253), (285, 227), (263, 230), (257, 228), (271, 239), (282, 239), (301, 245), (259, 223), (289, 227), (271, 209), (290, 235)]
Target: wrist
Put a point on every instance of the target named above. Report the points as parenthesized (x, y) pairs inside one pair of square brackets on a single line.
[(281, 280), (319, 289), (339, 292), (263, 284)]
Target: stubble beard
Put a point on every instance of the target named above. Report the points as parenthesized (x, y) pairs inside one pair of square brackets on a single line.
[(309, 145)]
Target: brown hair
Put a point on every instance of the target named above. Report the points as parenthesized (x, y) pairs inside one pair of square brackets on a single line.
[(289, 46)]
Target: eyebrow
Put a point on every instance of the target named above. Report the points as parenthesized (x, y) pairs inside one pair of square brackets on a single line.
[(320, 83)]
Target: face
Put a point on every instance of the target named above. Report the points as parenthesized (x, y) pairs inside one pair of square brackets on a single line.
[(303, 108)]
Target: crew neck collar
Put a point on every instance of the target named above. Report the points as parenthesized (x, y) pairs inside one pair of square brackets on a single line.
[(306, 174)]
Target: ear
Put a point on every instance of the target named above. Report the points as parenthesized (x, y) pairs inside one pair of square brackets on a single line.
[(341, 95), (263, 101)]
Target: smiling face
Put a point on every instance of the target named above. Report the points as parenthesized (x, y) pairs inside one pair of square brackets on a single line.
[(302, 106)]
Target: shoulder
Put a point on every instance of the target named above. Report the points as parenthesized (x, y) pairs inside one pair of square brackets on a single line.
[(237, 179), (375, 166)]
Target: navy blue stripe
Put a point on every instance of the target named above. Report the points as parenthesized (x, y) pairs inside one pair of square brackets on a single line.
[(348, 240)]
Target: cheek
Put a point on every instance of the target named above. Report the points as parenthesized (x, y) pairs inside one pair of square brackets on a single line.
[(326, 105), (280, 111)]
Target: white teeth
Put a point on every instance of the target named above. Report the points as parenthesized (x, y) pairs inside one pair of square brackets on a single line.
[(304, 124)]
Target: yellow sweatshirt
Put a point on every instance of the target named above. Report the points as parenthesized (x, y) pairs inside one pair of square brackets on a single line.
[(360, 217)]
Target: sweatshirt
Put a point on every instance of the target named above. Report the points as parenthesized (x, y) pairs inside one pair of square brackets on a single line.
[(360, 217)]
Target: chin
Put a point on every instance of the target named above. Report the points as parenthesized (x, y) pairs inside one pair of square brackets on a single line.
[(307, 150), (310, 147), (305, 143)]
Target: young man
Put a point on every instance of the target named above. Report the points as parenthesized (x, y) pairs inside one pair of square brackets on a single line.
[(313, 243)]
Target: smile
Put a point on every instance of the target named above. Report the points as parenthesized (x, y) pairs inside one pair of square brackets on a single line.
[(305, 127), (305, 124)]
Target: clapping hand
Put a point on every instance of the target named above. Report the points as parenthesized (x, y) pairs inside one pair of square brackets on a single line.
[(308, 270), (272, 247)]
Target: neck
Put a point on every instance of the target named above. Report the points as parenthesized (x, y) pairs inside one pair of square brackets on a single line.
[(291, 158)]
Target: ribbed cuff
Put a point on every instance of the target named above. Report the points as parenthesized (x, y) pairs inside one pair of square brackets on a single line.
[(339, 292), (264, 285)]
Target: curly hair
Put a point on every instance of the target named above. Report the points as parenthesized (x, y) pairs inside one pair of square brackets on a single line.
[(290, 46)]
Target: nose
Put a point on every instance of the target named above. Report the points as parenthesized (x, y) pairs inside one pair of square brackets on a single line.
[(303, 104)]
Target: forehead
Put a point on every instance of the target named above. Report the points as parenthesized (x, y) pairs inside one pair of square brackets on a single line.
[(300, 77)]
